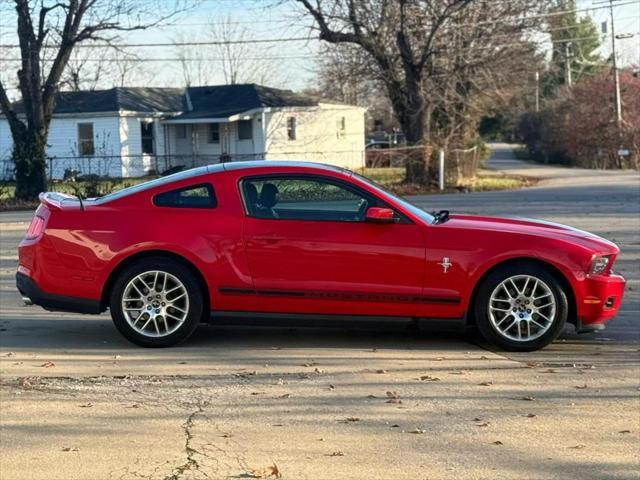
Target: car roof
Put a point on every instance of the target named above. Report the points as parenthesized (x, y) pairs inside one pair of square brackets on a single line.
[(215, 168), (281, 164)]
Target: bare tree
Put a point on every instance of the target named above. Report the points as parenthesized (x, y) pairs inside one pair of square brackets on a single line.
[(229, 53), (408, 42), (48, 33)]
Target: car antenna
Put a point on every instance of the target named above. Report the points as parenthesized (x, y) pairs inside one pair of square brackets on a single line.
[(80, 200)]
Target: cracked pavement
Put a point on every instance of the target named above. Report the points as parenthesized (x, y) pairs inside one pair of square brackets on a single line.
[(79, 402)]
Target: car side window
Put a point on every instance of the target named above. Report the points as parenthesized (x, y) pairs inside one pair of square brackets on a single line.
[(302, 198), (194, 196)]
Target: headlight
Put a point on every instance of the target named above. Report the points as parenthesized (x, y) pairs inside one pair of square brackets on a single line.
[(600, 264)]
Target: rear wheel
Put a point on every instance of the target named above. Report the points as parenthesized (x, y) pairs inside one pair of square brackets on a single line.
[(521, 307), (156, 302)]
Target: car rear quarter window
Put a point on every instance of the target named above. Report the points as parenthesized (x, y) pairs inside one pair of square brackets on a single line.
[(193, 196)]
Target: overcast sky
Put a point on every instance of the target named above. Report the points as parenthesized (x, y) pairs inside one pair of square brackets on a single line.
[(293, 62)]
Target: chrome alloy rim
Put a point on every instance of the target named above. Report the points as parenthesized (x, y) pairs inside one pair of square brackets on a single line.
[(155, 303), (522, 308)]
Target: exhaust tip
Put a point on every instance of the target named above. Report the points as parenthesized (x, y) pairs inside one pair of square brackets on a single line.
[(27, 301)]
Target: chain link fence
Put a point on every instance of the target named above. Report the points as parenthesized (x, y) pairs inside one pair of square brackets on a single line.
[(459, 164)]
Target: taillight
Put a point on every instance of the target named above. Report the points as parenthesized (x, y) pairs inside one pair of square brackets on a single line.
[(36, 227)]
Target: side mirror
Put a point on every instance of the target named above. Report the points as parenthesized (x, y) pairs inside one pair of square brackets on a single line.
[(380, 215)]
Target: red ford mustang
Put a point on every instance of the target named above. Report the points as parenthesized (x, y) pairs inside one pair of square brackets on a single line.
[(307, 242)]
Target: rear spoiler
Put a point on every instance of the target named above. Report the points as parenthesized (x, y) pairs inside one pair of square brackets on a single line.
[(60, 201)]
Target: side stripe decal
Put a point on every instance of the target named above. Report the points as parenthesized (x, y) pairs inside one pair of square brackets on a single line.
[(346, 296)]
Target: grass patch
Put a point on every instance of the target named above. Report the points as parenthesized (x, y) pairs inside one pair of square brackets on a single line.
[(393, 180), (90, 188)]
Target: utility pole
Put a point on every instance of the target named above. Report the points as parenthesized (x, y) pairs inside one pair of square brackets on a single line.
[(567, 65), (537, 91), (616, 76)]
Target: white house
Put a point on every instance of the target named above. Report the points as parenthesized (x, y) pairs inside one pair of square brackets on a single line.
[(129, 132)]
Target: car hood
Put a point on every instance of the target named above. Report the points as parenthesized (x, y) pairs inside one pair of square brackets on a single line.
[(540, 228)]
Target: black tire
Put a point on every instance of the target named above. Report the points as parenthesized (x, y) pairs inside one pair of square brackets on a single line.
[(179, 271), (493, 280)]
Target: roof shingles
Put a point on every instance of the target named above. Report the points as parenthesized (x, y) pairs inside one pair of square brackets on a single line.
[(207, 102)]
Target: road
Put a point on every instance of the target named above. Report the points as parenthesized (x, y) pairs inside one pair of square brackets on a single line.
[(79, 402)]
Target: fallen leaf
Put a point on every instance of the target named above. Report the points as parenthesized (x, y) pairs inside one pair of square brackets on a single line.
[(580, 446), (429, 378), (310, 364), (286, 395), (270, 471), (439, 359), (498, 442), (8, 354), (395, 425), (624, 431), (418, 431), (530, 415), (135, 405), (258, 393), (528, 398), (485, 384), (350, 420), (48, 364), (459, 372), (331, 387), (393, 397), (484, 358), (24, 382), (280, 382), (86, 405), (335, 454), (477, 419), (485, 424), (226, 435), (321, 439), (371, 396), (532, 364), (70, 449), (381, 371), (581, 387), (317, 370)]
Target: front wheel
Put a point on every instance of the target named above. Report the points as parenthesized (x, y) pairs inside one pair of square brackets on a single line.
[(521, 307), (156, 302)]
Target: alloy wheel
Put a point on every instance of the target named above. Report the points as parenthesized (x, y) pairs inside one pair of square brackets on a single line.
[(522, 308), (155, 303)]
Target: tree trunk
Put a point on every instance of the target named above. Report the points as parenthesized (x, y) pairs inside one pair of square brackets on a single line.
[(409, 108), (29, 158)]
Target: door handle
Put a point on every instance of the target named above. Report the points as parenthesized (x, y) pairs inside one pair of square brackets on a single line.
[(268, 238)]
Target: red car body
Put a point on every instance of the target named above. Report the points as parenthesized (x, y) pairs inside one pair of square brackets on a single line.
[(280, 266)]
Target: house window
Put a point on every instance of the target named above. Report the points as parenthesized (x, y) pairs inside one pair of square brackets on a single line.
[(181, 131), (214, 133), (291, 128), (85, 139), (245, 130), (146, 133), (341, 125)]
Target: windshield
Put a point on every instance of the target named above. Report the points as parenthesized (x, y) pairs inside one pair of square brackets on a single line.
[(417, 211)]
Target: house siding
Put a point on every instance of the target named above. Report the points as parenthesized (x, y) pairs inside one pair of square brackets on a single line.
[(317, 136), (62, 147)]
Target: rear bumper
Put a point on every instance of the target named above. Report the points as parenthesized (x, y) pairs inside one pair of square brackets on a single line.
[(52, 302), (599, 301)]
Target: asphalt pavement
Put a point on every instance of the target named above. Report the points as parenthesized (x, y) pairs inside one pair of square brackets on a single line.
[(79, 402)]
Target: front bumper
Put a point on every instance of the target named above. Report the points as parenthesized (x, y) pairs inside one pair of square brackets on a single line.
[(599, 300), (56, 303)]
